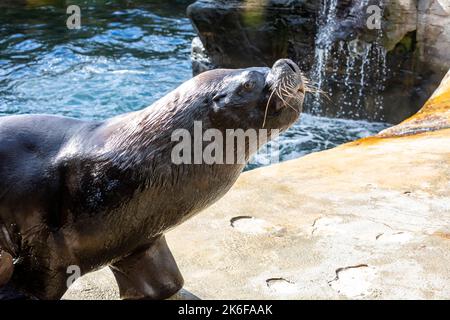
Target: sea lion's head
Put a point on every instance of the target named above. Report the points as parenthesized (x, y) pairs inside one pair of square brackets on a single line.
[(259, 101), (254, 98)]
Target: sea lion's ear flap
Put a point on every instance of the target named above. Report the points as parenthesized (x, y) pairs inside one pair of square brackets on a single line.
[(219, 97), (219, 101), (6, 267)]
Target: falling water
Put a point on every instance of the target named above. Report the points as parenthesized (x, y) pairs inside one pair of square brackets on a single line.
[(323, 42), (353, 70)]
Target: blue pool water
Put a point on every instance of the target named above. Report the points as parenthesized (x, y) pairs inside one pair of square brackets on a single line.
[(125, 56), (122, 59)]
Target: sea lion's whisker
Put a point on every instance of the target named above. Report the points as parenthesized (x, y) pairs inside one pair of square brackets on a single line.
[(286, 86), (289, 94), (289, 91), (310, 87), (267, 107), (287, 104), (316, 90), (280, 96)]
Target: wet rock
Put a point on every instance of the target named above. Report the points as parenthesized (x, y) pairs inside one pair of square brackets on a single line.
[(434, 115), (200, 60), (254, 33)]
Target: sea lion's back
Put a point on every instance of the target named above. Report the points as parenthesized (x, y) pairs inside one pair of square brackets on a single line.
[(27, 145), (26, 140)]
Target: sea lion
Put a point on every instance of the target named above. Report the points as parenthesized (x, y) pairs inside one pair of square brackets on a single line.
[(87, 194)]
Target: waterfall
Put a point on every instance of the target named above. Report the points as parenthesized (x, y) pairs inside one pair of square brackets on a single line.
[(351, 72), (323, 42)]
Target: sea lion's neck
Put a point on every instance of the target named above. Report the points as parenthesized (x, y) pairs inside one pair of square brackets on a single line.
[(137, 153), (137, 138)]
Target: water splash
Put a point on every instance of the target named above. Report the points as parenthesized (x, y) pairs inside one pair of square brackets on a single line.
[(313, 134)]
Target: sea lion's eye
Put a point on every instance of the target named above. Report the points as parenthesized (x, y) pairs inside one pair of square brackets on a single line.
[(248, 85)]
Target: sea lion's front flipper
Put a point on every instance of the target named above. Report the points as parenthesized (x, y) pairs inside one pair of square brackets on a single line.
[(150, 273), (6, 267)]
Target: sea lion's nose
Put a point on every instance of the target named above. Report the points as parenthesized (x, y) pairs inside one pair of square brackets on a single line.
[(286, 63)]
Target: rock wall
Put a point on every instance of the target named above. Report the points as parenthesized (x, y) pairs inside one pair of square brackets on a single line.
[(247, 33), (370, 74)]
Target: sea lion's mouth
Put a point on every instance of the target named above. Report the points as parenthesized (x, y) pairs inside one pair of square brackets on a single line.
[(285, 89), (301, 89)]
